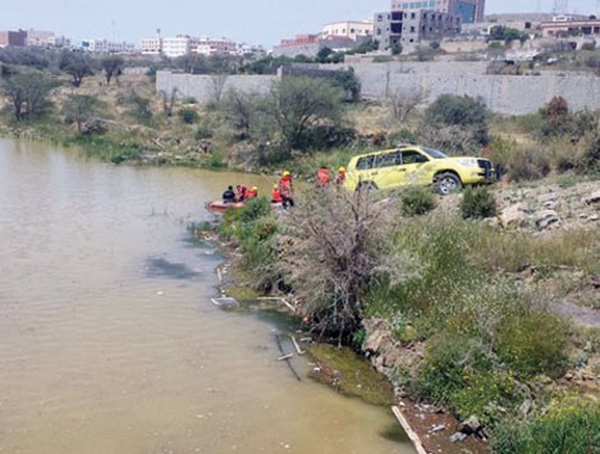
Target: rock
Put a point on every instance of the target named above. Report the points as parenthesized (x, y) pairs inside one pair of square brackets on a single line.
[(436, 429), (525, 407), (513, 217), (545, 219), (546, 198), (593, 218), (593, 198), (470, 426), (458, 436)]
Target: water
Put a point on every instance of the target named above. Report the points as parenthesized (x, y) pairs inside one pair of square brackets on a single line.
[(108, 340)]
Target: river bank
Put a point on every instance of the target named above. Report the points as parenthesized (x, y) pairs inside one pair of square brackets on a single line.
[(504, 275)]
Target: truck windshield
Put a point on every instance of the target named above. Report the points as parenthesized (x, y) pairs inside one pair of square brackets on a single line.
[(434, 153)]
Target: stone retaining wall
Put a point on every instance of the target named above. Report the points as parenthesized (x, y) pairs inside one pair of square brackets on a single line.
[(512, 95)]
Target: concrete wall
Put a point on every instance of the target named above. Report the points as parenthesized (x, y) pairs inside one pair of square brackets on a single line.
[(204, 88), (512, 95)]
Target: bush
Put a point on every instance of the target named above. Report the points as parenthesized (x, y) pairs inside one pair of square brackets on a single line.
[(188, 115), (533, 342), (417, 201), (567, 427), (478, 203), (203, 132), (254, 229), (464, 111)]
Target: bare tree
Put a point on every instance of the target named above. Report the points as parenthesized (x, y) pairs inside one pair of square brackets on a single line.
[(218, 82), (336, 243), (168, 101), (79, 108), (404, 100)]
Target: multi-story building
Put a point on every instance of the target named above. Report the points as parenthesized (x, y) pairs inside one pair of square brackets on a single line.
[(210, 46), (348, 29), (152, 46), (469, 11), (176, 47), (43, 38), (13, 38), (105, 46), (410, 27)]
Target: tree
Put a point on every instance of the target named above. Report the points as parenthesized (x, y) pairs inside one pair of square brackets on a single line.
[(28, 92), (463, 111), (217, 82), (297, 104), (404, 101), (112, 66), (76, 64), (349, 83), (323, 54), (79, 108), (332, 251)]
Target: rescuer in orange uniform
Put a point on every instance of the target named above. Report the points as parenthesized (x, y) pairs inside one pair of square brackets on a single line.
[(323, 177), (252, 193), (276, 194), (341, 176), (286, 190)]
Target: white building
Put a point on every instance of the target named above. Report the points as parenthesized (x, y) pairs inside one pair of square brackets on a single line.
[(176, 47), (210, 46), (348, 29), (152, 46), (105, 46)]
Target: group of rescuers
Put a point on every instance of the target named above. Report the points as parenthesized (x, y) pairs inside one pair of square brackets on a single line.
[(284, 191)]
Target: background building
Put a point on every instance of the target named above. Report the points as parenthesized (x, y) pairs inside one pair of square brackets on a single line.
[(13, 38), (469, 11), (410, 27), (152, 46), (105, 46), (210, 46), (176, 47), (348, 29)]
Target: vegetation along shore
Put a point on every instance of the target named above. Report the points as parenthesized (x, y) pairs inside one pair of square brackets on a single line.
[(481, 308)]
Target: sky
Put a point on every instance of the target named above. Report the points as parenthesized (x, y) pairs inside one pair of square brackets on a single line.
[(254, 21)]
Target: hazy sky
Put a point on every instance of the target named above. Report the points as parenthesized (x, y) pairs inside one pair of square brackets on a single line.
[(255, 21)]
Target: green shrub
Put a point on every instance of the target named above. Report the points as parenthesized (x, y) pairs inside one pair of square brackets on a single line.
[(417, 201), (253, 228), (186, 100), (203, 132), (188, 115), (463, 111), (478, 203), (569, 427), (533, 342)]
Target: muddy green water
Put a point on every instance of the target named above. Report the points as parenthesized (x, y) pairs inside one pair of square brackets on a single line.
[(108, 340)]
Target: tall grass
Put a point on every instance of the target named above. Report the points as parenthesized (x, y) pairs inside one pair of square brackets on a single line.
[(486, 335), (570, 427)]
